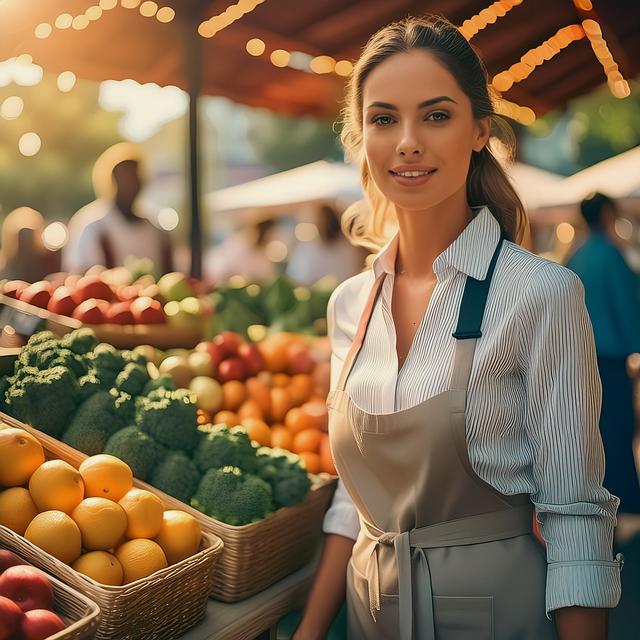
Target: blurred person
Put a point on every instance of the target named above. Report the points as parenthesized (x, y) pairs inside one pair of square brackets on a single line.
[(242, 253), (329, 254), (464, 385), (613, 302), (111, 229), (23, 255)]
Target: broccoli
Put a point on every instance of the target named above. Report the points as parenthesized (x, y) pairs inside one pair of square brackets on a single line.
[(40, 338), (233, 497), (89, 384), (142, 453), (92, 425), (80, 341), (107, 363), (163, 381), (125, 406), (177, 476), (221, 447), (44, 399), (170, 417), (283, 470), (4, 385), (132, 379), (135, 357)]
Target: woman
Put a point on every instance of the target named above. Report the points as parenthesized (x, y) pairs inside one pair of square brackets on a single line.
[(464, 382)]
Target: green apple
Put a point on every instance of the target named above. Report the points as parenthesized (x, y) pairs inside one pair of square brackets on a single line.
[(175, 286), (208, 393), (178, 368)]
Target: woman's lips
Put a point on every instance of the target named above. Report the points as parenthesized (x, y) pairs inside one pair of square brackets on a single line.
[(416, 181)]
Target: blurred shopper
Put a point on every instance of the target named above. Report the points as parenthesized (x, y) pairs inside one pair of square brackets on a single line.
[(329, 254), (110, 229), (613, 302), (242, 253), (23, 255)]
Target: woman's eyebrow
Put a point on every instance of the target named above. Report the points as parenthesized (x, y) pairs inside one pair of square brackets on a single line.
[(422, 105)]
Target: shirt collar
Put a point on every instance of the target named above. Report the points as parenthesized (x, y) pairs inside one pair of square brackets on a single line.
[(470, 253)]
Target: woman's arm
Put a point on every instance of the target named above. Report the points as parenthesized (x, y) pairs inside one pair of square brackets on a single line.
[(563, 395), (328, 589)]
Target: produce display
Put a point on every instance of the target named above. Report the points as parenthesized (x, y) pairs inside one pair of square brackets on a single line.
[(91, 518), (110, 296), (100, 400), (26, 601)]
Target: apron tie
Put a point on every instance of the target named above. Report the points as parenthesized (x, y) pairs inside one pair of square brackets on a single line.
[(478, 529)]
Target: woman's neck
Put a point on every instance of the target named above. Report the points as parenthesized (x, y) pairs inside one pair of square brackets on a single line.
[(424, 235)]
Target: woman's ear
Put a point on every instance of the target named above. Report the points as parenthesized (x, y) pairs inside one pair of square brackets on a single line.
[(482, 133)]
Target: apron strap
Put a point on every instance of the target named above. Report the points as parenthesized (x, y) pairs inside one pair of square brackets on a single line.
[(365, 318)]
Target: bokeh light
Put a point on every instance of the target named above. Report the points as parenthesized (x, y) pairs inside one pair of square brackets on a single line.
[(12, 107), (306, 231), (66, 81), (565, 233), (168, 219), (624, 228), (55, 236), (165, 14), (29, 144), (255, 47), (43, 30), (276, 251)]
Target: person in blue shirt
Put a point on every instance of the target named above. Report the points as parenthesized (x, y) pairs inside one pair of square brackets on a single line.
[(613, 302)]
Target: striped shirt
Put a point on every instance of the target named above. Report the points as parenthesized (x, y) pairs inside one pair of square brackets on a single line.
[(533, 398)]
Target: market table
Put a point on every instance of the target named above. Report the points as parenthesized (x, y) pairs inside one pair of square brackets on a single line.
[(249, 618)]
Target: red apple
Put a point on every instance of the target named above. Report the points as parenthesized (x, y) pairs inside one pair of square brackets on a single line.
[(56, 279), (229, 341), (253, 360), (216, 351), (28, 587), (14, 288), (146, 310), (40, 624), (37, 294), (128, 291), (298, 359), (8, 559), (72, 280), (62, 301), (91, 311), (120, 313), (92, 287), (232, 369), (10, 617)]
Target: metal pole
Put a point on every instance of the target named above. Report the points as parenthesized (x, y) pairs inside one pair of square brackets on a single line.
[(193, 74)]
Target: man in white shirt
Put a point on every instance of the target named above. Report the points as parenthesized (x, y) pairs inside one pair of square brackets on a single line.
[(109, 230)]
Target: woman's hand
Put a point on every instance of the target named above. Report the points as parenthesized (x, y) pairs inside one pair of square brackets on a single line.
[(582, 623)]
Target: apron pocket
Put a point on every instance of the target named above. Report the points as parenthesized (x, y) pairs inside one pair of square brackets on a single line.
[(469, 618)]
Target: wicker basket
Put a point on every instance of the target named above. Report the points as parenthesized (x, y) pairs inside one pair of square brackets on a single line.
[(162, 606), (255, 555), (78, 612)]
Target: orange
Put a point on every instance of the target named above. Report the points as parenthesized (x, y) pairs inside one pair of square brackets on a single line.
[(326, 457), (311, 461), (297, 420), (258, 392), (274, 354), (250, 409), (144, 513), (56, 485), (140, 558), (280, 380), (101, 566), (17, 509), (226, 417), (57, 534), (233, 394), (307, 441), (281, 437), (317, 411), (321, 378), (101, 522), (300, 388), (266, 377), (258, 430), (20, 455), (180, 536), (203, 417), (105, 476), (280, 404)]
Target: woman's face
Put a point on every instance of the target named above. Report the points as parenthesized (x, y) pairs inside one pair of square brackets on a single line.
[(419, 130)]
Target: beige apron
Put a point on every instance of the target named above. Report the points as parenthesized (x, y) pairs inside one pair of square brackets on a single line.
[(441, 554)]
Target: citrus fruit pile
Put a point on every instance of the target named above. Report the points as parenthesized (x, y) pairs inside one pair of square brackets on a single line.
[(91, 518)]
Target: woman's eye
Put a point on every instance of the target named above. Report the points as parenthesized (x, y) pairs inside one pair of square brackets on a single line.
[(438, 116), (382, 120)]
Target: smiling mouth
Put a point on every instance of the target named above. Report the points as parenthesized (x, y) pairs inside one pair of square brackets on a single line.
[(412, 174)]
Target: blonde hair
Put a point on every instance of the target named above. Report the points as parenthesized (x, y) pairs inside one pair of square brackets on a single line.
[(102, 175), (370, 222)]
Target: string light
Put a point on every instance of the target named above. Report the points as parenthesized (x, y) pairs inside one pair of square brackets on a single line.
[(280, 58), (165, 15), (535, 57), (583, 5), (618, 86), (210, 27), (149, 8), (66, 81), (523, 115), (486, 17), (43, 30), (255, 47), (322, 64), (107, 5), (12, 107)]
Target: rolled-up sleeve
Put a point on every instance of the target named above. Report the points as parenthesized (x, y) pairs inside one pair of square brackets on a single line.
[(563, 395), (342, 516)]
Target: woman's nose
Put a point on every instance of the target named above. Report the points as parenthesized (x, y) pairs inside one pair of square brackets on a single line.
[(409, 144)]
